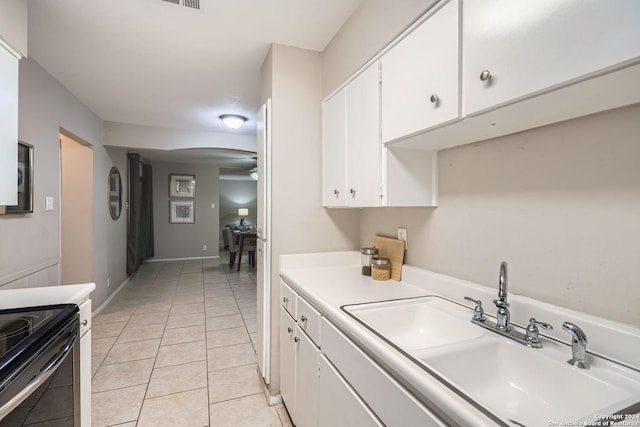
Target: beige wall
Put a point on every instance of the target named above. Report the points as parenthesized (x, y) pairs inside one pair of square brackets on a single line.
[(76, 210), (560, 204), (292, 78), (235, 194), (186, 240), (371, 27), (30, 245)]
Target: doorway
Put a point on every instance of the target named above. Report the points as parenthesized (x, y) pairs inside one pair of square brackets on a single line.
[(76, 210)]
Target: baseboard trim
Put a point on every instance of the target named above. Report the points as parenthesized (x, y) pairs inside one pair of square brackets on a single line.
[(181, 259), (271, 400), (108, 300)]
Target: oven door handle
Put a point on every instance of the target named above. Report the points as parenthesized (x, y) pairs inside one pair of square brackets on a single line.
[(44, 374)]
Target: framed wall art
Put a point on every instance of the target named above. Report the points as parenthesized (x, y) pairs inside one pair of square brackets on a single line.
[(25, 181), (114, 193), (182, 211), (182, 185)]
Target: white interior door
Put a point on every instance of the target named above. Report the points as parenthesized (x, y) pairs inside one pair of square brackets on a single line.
[(263, 259)]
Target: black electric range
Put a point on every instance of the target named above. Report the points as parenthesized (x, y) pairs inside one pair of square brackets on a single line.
[(33, 342)]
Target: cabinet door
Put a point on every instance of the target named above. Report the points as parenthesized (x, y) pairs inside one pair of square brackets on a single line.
[(338, 404), (363, 139), (307, 370), (420, 77), (531, 47), (8, 128), (85, 379), (334, 129), (288, 362)]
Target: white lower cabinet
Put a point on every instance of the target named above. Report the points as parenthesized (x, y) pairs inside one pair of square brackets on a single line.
[(327, 380), (338, 404), (299, 361), (288, 362), (306, 379), (390, 401)]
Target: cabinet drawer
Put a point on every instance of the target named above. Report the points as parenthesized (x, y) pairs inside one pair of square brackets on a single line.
[(288, 299), (309, 320), (85, 317), (384, 395)]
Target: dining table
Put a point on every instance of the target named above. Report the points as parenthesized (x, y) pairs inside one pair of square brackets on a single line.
[(243, 234)]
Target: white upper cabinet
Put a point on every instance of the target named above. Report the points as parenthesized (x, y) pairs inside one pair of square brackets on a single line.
[(334, 139), (8, 128), (515, 49), (420, 84), (351, 148), (363, 139)]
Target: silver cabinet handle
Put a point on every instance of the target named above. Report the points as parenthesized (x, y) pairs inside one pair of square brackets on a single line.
[(434, 98), (485, 75), (85, 322), (296, 339), (303, 318), (289, 330), (285, 300)]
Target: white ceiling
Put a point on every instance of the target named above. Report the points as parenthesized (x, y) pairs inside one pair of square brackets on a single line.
[(150, 62)]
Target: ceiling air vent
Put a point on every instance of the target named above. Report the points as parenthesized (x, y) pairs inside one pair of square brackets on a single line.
[(193, 4)]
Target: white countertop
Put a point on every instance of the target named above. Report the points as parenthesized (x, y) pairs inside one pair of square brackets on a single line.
[(330, 287), (330, 280), (48, 295)]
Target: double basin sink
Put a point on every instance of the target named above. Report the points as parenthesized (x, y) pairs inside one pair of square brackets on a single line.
[(518, 385)]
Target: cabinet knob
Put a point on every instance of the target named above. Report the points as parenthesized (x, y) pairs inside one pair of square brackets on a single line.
[(337, 193), (434, 99), (485, 75), (296, 339), (353, 192), (85, 322), (285, 300), (303, 318), (289, 330)]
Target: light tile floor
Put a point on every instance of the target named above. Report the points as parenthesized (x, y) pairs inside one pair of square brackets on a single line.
[(176, 347)]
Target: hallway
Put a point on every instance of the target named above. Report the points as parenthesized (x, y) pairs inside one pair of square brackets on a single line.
[(175, 347)]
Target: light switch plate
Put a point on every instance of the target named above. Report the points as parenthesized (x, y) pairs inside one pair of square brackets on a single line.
[(402, 235), (49, 203)]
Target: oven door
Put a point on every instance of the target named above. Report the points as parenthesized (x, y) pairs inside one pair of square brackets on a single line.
[(44, 387)]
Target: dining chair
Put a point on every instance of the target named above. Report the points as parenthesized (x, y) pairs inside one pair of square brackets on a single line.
[(234, 246)]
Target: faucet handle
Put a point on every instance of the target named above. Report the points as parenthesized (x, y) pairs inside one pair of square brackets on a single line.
[(478, 311), (532, 336)]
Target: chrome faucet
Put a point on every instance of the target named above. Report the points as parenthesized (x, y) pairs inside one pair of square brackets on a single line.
[(578, 345), (502, 317), (502, 326)]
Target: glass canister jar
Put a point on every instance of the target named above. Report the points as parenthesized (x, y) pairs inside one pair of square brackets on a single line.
[(366, 254), (380, 269)]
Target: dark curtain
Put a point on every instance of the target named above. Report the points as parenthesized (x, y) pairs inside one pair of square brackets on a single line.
[(140, 230)]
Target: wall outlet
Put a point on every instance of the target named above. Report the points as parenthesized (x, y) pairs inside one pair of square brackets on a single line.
[(402, 235), (204, 247)]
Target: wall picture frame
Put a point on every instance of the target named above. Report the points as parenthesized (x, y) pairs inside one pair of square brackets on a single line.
[(182, 185), (182, 211), (25, 181)]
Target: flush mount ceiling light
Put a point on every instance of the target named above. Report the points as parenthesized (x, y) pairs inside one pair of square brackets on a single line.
[(233, 121)]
